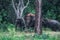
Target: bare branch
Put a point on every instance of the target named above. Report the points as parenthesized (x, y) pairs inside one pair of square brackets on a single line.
[(13, 6), (19, 3), (26, 5), (24, 22), (22, 9)]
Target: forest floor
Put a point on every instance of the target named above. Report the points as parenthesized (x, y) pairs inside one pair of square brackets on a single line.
[(44, 32)]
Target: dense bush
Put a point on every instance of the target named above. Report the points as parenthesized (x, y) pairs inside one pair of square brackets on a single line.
[(4, 21)]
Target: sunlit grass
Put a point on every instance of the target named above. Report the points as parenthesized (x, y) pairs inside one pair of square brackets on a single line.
[(47, 35), (11, 34)]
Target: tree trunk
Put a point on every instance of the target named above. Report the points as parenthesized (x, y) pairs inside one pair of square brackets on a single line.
[(38, 22)]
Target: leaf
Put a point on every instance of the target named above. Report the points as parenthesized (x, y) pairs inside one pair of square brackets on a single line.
[(0, 18)]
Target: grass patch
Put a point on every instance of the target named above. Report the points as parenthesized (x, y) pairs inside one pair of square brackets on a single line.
[(28, 36)]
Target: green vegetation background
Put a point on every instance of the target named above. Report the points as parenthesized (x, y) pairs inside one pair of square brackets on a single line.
[(50, 9)]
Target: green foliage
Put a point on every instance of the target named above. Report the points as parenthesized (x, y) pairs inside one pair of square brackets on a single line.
[(30, 8), (10, 27), (3, 15), (0, 18), (50, 15), (4, 21), (51, 9), (47, 5), (3, 18)]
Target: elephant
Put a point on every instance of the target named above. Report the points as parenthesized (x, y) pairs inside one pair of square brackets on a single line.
[(52, 24)]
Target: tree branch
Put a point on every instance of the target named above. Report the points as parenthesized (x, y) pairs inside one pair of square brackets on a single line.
[(22, 9), (13, 6), (19, 3), (26, 5)]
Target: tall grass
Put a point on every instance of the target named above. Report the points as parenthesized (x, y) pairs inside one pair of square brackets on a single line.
[(12, 35), (23, 36)]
